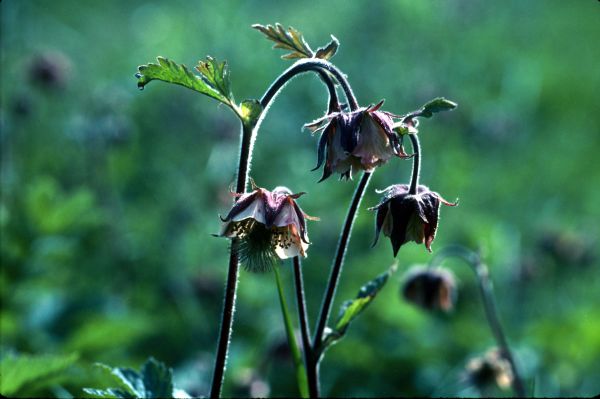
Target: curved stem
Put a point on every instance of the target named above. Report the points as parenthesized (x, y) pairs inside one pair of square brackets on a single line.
[(306, 65), (486, 290), (313, 383), (249, 132), (338, 262), (414, 181)]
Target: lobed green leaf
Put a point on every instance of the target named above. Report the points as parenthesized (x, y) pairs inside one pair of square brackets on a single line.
[(213, 80), (155, 380)]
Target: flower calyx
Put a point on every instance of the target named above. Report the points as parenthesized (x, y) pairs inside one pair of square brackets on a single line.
[(269, 226), (405, 217), (356, 140)]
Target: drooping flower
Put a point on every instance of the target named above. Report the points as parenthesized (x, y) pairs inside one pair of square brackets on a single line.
[(269, 226), (489, 370), (357, 140), (430, 288), (404, 217)]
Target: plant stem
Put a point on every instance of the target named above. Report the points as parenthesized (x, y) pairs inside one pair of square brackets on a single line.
[(233, 271), (289, 329), (489, 304), (306, 65), (338, 263), (313, 383), (414, 181), (485, 287), (249, 132)]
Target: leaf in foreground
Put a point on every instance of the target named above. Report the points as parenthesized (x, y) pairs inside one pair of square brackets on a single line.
[(17, 372), (154, 380), (352, 308)]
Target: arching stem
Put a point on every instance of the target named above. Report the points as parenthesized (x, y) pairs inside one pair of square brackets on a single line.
[(249, 133), (486, 290)]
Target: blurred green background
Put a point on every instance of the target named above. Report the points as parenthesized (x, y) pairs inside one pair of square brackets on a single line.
[(110, 195)]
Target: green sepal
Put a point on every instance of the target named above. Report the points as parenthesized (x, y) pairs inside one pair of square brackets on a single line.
[(350, 309)]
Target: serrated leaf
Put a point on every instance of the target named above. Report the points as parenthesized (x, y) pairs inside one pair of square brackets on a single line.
[(350, 309), (155, 380), (290, 39), (216, 75), (327, 52), (436, 105), (213, 80), (17, 371)]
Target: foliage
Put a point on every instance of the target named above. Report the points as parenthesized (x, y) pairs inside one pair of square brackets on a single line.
[(21, 372), (154, 380), (109, 197)]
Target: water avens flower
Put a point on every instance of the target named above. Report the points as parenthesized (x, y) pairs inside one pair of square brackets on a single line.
[(269, 226), (358, 140), (490, 370), (405, 217), (430, 288)]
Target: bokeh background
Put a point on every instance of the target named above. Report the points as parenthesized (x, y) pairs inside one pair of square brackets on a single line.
[(110, 195)]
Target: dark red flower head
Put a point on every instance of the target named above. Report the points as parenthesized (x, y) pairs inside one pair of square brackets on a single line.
[(269, 224), (430, 288), (358, 140), (404, 217)]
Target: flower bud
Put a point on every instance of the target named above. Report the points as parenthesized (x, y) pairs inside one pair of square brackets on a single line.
[(490, 370), (269, 226), (404, 217), (430, 289)]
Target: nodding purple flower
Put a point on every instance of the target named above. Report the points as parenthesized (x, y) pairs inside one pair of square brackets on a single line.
[(269, 226), (404, 217), (357, 140), (429, 288)]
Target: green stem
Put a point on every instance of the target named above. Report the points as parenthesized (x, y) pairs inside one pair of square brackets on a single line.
[(414, 181), (291, 337), (309, 358), (336, 268), (489, 304), (307, 65)]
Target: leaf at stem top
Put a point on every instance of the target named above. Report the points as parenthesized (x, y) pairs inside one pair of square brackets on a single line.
[(434, 106), (350, 309), (292, 40), (213, 80)]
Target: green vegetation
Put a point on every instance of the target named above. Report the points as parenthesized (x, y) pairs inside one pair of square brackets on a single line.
[(110, 196)]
